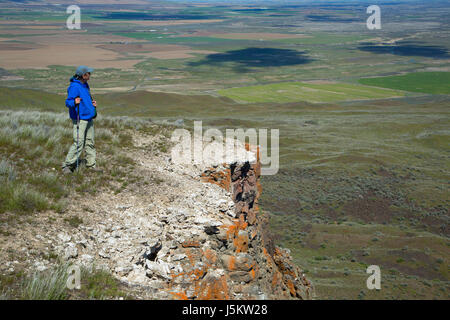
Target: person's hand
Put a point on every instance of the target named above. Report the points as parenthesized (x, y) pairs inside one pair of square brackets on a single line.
[(77, 100), (94, 103)]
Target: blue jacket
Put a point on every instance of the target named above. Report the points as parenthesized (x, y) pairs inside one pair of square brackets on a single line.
[(82, 90)]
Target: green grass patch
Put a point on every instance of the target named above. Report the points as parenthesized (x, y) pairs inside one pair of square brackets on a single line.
[(73, 221), (163, 38), (21, 199), (298, 91), (100, 284), (324, 39), (33, 146), (51, 284), (424, 82)]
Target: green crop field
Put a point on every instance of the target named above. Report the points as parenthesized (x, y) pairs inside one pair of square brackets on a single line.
[(426, 82), (315, 93)]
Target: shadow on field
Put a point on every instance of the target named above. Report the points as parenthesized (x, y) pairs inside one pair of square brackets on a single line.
[(149, 16), (406, 49), (256, 58)]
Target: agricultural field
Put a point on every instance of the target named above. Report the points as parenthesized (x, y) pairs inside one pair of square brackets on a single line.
[(315, 93), (425, 82), (363, 115)]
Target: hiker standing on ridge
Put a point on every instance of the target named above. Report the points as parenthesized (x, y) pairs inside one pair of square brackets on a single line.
[(82, 111)]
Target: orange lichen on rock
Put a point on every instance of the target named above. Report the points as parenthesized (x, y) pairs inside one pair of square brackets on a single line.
[(221, 178), (282, 266), (233, 229), (291, 287), (180, 295), (210, 255), (253, 270), (214, 289), (243, 256), (231, 263), (190, 244), (194, 274), (268, 257), (275, 280), (241, 242)]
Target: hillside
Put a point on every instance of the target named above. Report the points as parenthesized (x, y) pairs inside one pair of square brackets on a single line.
[(155, 229)]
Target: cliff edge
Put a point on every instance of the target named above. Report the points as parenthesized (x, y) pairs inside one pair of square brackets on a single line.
[(180, 232)]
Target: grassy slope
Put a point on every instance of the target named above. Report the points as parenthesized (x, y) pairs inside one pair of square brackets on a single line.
[(33, 145), (316, 93), (426, 82), (137, 103), (359, 185)]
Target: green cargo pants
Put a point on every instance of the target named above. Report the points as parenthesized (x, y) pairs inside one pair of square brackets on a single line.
[(86, 142)]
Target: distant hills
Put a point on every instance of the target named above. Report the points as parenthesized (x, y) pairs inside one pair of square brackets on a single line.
[(85, 2), (236, 2)]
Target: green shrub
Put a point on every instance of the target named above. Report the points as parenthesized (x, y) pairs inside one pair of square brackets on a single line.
[(48, 183), (50, 285), (74, 221), (99, 284), (7, 171), (20, 198)]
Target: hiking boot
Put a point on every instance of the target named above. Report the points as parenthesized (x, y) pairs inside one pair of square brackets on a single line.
[(67, 170)]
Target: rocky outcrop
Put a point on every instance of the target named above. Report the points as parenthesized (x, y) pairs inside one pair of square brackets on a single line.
[(184, 232), (244, 261)]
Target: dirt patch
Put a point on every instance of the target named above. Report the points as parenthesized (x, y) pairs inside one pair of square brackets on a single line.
[(141, 47), (75, 37), (369, 208), (409, 258), (43, 27), (384, 173), (164, 51), (20, 31), (306, 228), (436, 224), (13, 46), (63, 54)]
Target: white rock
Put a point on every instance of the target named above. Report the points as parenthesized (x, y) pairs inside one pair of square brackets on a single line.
[(64, 237), (123, 270), (70, 252), (137, 276), (87, 258), (231, 213), (123, 207), (103, 254), (39, 266), (160, 268), (178, 257), (111, 242)]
